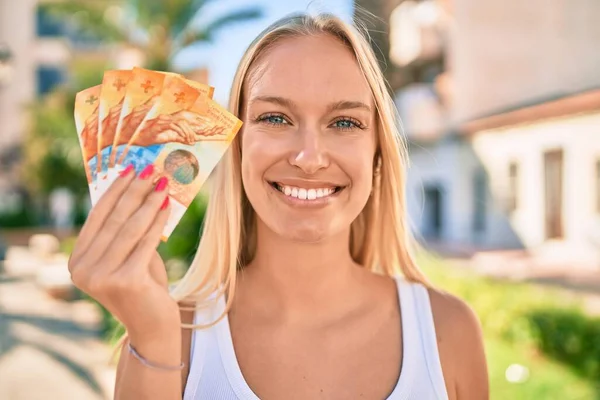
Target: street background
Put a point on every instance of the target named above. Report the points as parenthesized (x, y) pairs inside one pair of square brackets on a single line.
[(500, 105)]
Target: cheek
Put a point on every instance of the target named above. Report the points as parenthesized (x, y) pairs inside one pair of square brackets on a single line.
[(257, 156), (361, 175)]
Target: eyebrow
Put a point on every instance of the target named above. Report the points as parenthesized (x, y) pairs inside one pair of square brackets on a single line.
[(340, 105)]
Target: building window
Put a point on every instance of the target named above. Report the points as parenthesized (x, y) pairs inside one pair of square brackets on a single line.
[(479, 201), (47, 25), (513, 187), (48, 77)]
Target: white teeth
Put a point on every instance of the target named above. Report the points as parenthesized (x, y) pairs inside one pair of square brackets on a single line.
[(305, 194)]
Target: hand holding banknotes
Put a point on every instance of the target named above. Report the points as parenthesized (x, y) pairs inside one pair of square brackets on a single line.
[(143, 117), (115, 259)]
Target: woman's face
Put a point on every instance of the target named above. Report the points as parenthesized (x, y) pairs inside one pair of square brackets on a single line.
[(308, 139)]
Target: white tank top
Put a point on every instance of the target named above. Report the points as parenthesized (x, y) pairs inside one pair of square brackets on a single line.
[(215, 373)]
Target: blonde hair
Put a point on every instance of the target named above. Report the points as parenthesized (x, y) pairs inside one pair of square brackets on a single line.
[(380, 236)]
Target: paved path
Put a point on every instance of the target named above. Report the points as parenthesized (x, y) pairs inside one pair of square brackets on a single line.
[(50, 349)]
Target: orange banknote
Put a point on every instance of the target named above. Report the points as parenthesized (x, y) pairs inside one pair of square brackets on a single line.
[(114, 86), (86, 123), (159, 125), (142, 91), (187, 164), (140, 117), (176, 97)]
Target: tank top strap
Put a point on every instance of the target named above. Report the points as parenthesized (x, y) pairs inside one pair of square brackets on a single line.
[(201, 339), (419, 306)]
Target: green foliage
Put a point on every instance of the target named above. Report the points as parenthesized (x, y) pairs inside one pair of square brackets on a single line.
[(542, 323), (20, 219), (547, 380), (569, 336), (159, 28), (183, 242), (52, 156)]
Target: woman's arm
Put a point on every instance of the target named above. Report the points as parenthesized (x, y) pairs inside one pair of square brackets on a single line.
[(461, 347), (127, 359), (138, 381)]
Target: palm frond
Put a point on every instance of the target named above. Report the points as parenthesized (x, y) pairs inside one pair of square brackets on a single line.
[(88, 17), (206, 33)]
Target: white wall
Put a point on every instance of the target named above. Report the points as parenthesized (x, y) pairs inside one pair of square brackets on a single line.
[(453, 164), (17, 29), (449, 164), (505, 53), (579, 138)]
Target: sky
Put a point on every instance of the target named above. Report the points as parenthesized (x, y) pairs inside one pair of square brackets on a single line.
[(222, 56)]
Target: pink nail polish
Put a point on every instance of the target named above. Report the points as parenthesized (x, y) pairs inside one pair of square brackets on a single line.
[(165, 203), (126, 171), (147, 171), (161, 184)]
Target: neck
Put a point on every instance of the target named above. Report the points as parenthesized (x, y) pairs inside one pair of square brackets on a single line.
[(297, 277)]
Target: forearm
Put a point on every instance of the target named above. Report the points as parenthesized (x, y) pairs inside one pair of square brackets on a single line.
[(138, 381)]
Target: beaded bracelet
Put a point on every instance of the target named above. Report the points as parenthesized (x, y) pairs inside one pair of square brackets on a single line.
[(149, 364)]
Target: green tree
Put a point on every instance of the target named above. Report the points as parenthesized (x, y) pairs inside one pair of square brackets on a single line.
[(159, 28), (51, 151)]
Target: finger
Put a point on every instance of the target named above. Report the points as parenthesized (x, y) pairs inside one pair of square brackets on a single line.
[(129, 202), (191, 134), (100, 212), (137, 225), (181, 129), (175, 129), (145, 249)]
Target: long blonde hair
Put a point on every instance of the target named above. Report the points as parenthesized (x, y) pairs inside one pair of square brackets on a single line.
[(380, 236)]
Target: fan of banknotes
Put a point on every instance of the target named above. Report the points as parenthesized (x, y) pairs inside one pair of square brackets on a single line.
[(140, 117)]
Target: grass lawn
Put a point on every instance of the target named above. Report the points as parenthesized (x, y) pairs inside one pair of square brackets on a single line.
[(528, 326), (548, 380)]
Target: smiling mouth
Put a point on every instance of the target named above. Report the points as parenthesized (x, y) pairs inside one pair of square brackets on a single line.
[(306, 193)]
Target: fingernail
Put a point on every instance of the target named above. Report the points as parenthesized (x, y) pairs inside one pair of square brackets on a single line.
[(165, 203), (161, 184), (126, 171), (147, 171)]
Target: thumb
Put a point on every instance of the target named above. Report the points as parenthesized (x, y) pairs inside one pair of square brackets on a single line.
[(158, 270)]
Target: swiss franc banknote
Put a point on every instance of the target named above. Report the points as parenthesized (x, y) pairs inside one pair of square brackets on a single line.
[(188, 164), (157, 128), (141, 92), (114, 86), (86, 124)]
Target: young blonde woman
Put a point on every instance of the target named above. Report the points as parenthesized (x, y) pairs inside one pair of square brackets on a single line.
[(303, 285)]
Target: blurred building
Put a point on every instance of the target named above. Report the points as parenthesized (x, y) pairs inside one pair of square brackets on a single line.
[(42, 50), (501, 106)]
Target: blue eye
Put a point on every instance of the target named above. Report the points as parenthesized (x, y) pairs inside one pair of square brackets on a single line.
[(273, 119), (346, 124)]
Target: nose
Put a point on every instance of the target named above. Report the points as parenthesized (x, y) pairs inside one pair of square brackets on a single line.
[(311, 154)]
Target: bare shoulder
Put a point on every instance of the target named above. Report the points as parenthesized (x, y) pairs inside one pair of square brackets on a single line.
[(452, 315), (461, 346)]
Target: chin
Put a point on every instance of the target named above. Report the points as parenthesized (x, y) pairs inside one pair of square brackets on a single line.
[(304, 233)]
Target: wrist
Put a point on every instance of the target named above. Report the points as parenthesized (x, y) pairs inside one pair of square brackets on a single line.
[(161, 348), (167, 337)]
